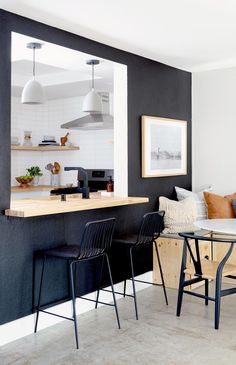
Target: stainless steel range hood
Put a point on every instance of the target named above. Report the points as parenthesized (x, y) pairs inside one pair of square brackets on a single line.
[(94, 121)]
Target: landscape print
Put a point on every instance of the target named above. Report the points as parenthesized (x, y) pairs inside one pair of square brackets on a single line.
[(166, 142), (164, 147)]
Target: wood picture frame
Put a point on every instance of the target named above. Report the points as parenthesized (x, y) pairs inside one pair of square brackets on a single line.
[(164, 146)]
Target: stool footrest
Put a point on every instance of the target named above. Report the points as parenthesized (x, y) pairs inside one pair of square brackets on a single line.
[(56, 315), (117, 292), (146, 282), (95, 301)]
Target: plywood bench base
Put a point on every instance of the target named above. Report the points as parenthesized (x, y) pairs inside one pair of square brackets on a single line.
[(170, 249)]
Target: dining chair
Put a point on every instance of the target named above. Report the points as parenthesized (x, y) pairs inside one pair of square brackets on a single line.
[(204, 269)]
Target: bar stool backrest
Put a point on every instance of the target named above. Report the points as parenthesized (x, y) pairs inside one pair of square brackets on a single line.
[(97, 237), (151, 227)]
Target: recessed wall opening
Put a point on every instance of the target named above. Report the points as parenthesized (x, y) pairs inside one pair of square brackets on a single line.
[(92, 141)]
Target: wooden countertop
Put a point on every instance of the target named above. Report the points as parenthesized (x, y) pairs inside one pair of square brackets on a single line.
[(30, 188), (39, 206)]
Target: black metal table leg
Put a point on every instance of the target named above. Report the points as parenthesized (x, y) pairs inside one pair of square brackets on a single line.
[(206, 291), (182, 279)]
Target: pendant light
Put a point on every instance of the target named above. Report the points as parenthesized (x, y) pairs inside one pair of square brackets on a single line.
[(92, 101), (33, 90)]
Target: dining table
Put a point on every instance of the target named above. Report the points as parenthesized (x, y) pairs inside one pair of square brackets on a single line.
[(220, 226)]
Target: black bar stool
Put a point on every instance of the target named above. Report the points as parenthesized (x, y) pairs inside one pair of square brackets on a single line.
[(204, 269), (150, 229), (96, 241)]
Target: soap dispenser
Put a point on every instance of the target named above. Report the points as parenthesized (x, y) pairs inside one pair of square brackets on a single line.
[(110, 185)]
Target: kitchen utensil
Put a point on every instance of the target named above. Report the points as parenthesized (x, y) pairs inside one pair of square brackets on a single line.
[(57, 168), (64, 139), (49, 167)]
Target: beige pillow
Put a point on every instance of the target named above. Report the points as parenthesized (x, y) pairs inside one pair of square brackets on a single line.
[(179, 216)]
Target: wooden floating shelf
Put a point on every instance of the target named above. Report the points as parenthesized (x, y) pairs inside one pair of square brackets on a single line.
[(45, 148)]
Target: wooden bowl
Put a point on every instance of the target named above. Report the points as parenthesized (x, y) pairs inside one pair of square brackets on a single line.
[(23, 181)]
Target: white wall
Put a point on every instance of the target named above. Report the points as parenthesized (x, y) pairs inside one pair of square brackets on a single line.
[(120, 130), (214, 130), (96, 147)]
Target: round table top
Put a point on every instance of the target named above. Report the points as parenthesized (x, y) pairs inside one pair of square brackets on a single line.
[(222, 226)]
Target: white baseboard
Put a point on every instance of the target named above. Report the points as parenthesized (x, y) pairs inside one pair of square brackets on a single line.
[(25, 326)]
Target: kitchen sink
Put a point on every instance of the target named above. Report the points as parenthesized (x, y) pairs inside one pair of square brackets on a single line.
[(72, 190)]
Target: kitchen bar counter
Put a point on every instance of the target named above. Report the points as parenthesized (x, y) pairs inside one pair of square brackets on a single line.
[(40, 206)]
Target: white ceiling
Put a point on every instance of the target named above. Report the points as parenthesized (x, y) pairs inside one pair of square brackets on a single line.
[(63, 72), (189, 34)]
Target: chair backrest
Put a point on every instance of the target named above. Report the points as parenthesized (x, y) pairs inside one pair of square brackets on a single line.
[(151, 227), (97, 237), (194, 250)]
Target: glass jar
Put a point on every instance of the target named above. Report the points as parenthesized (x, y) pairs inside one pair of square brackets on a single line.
[(55, 179), (27, 139)]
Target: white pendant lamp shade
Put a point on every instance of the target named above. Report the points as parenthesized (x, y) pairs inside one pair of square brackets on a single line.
[(92, 102), (33, 92)]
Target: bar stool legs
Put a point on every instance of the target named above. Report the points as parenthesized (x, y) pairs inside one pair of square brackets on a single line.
[(133, 278), (113, 292), (74, 319), (161, 272), (74, 304), (72, 285), (100, 283), (112, 287), (39, 297), (124, 288), (133, 284)]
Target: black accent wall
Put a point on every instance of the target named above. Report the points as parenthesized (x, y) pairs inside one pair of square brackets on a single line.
[(153, 89)]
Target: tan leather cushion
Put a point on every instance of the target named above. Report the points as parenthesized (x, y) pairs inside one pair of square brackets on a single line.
[(219, 206)]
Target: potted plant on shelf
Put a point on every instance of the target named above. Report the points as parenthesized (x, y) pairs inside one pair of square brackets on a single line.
[(35, 172)]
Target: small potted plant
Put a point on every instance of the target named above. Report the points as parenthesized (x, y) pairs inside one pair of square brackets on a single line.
[(35, 172)]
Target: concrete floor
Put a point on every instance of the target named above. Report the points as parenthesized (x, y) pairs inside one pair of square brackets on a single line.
[(158, 337)]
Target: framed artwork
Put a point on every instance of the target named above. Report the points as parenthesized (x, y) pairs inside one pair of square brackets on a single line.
[(164, 147)]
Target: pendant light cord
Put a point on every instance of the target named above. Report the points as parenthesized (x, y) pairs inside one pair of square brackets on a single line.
[(93, 76), (34, 62)]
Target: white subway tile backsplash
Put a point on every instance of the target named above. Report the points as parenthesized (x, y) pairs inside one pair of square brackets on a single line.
[(96, 147)]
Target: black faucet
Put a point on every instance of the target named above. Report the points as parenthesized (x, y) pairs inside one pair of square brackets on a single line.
[(85, 189)]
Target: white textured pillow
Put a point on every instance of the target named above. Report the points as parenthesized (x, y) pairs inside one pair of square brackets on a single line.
[(179, 216), (199, 197)]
